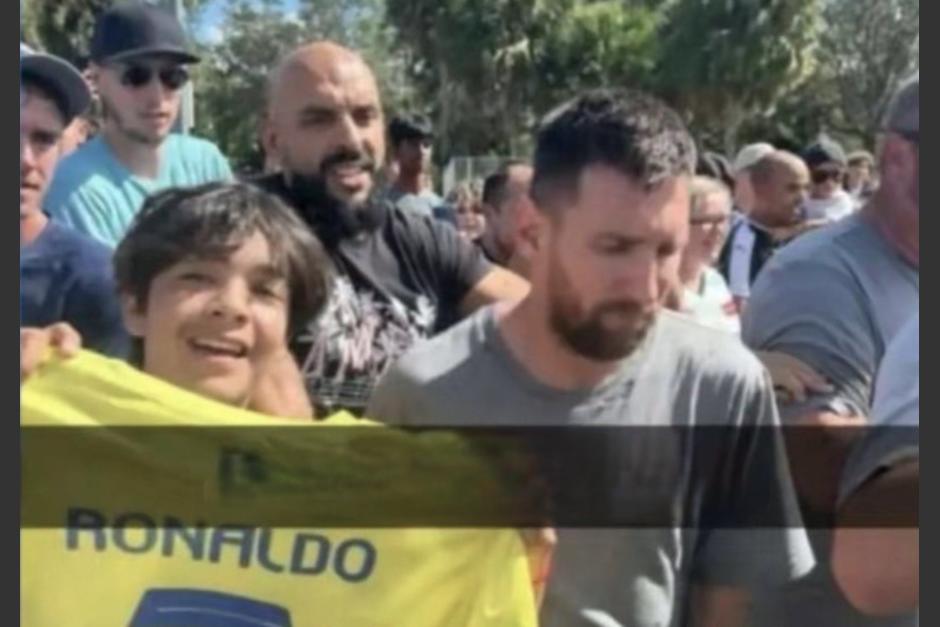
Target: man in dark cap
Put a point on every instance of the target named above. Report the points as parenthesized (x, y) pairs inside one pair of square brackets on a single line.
[(827, 201), (411, 140), (64, 276), (139, 56)]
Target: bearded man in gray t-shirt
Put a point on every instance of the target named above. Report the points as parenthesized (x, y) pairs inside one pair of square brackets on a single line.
[(591, 346)]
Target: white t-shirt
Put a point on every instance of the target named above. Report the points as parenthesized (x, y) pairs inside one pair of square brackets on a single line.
[(712, 304), (839, 206)]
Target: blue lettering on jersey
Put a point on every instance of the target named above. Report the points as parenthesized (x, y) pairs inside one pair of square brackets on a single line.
[(353, 559), (182, 607)]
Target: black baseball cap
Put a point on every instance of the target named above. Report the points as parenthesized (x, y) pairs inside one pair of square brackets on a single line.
[(135, 29), (824, 151), (60, 77), (404, 127)]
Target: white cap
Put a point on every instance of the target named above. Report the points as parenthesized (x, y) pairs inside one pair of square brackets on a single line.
[(751, 154)]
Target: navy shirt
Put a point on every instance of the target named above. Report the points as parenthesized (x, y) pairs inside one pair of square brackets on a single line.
[(67, 277)]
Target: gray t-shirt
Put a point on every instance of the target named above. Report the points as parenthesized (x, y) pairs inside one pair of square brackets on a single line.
[(896, 412), (834, 298), (422, 204), (683, 375)]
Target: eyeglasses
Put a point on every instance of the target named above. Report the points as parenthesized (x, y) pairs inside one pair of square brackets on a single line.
[(713, 221), (821, 176), (137, 76)]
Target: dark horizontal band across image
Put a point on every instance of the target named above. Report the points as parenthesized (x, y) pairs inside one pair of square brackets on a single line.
[(367, 477)]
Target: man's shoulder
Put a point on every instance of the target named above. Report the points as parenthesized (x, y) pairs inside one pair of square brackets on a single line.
[(431, 359), (190, 145), (705, 350), (838, 246), (421, 204), (85, 255), (84, 167), (417, 228)]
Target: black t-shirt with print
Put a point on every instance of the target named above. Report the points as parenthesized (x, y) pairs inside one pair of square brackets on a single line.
[(399, 278)]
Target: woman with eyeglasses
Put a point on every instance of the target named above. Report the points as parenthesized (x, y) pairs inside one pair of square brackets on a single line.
[(705, 294)]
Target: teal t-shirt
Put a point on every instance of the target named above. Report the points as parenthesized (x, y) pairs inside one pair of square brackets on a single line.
[(92, 192)]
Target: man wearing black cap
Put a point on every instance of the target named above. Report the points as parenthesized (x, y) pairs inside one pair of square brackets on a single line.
[(138, 62), (827, 200), (411, 138), (64, 276)]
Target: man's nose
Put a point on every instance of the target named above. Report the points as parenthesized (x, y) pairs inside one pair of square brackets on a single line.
[(349, 134)]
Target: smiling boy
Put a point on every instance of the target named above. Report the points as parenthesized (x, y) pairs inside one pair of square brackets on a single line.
[(212, 279)]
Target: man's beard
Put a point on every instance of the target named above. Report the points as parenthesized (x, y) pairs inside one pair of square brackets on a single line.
[(584, 332), (110, 112), (331, 215)]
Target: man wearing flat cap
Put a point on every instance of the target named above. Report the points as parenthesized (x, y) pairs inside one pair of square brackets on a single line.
[(139, 57), (411, 138), (64, 276)]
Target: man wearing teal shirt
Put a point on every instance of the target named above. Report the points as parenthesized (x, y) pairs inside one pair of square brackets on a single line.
[(139, 59)]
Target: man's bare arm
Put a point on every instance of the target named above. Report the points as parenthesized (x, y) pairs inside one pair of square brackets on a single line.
[(719, 606), (498, 284), (817, 451), (878, 568)]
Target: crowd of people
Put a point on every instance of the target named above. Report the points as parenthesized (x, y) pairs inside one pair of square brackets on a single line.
[(621, 277)]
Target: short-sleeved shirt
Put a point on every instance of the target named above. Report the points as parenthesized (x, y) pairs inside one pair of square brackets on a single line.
[(683, 375), (399, 278), (833, 298), (94, 193), (895, 415), (712, 304), (425, 203), (66, 277)]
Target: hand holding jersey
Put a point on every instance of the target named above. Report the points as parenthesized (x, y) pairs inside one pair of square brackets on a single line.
[(127, 538)]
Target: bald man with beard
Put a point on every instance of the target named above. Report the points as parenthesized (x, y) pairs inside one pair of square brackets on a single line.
[(399, 277), (780, 182)]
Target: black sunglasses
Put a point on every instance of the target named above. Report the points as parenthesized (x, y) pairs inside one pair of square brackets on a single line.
[(821, 176), (137, 76)]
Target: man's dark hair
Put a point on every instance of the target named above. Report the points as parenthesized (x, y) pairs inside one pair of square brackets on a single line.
[(630, 131), (716, 166), (211, 221), (31, 82), (405, 127), (494, 186)]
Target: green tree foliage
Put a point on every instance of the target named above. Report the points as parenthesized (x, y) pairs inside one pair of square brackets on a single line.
[(488, 70), (725, 61), (231, 84), (739, 70), (64, 27)]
